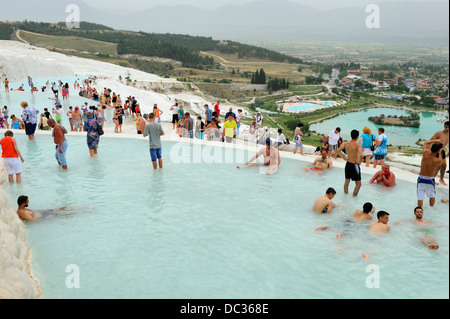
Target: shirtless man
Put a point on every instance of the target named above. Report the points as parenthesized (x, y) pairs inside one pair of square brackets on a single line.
[(6, 82), (321, 163), (361, 215), (424, 231), (384, 177), (426, 183), (324, 205), (443, 137), (381, 226), (358, 216), (30, 216), (354, 158), (271, 158), (141, 122), (77, 118), (61, 143)]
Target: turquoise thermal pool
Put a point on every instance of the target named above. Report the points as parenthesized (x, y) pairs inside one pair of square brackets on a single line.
[(303, 107), (209, 230), (399, 136)]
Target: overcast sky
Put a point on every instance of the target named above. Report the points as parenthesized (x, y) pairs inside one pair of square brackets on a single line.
[(137, 5)]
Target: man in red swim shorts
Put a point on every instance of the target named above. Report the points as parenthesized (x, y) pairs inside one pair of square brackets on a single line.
[(6, 82), (321, 163)]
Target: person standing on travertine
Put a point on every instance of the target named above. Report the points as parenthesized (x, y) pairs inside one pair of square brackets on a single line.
[(29, 118), (443, 136), (189, 126), (154, 131), (11, 155), (354, 158), (333, 139), (61, 143)]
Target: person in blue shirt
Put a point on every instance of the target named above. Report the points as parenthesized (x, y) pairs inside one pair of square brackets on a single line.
[(230, 112), (16, 123), (208, 113), (366, 141)]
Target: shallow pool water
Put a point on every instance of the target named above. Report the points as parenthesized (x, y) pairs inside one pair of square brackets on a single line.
[(399, 136), (209, 230)]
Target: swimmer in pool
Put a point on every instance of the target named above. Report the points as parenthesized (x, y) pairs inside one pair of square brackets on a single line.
[(424, 230), (381, 226), (324, 205), (364, 214), (271, 158), (321, 163), (359, 215), (38, 216)]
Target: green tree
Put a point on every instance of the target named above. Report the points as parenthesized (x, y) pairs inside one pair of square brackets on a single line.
[(262, 77), (428, 101), (359, 83)]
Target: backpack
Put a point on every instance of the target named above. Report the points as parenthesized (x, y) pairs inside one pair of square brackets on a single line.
[(63, 129)]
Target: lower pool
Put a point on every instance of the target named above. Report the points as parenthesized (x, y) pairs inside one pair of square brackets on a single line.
[(303, 107), (397, 135), (210, 231)]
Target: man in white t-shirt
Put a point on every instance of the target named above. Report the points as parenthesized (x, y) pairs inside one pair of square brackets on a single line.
[(58, 111), (333, 141), (259, 119), (175, 113), (281, 139), (55, 89)]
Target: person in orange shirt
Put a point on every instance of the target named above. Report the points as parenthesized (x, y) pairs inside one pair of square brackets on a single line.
[(157, 113), (11, 155)]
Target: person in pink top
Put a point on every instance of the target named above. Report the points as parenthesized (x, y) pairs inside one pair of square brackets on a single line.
[(11, 155)]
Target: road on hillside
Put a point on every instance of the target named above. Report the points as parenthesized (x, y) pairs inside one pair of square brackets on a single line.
[(18, 37), (334, 76)]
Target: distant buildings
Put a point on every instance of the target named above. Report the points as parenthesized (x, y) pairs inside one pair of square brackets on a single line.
[(409, 83)]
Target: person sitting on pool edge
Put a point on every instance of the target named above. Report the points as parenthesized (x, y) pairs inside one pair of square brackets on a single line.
[(324, 205), (321, 163), (38, 216), (271, 158)]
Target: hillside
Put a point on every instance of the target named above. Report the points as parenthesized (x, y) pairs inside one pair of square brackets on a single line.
[(183, 48), (69, 43)]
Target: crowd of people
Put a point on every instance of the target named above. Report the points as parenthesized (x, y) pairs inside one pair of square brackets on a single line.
[(433, 162), (366, 148)]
